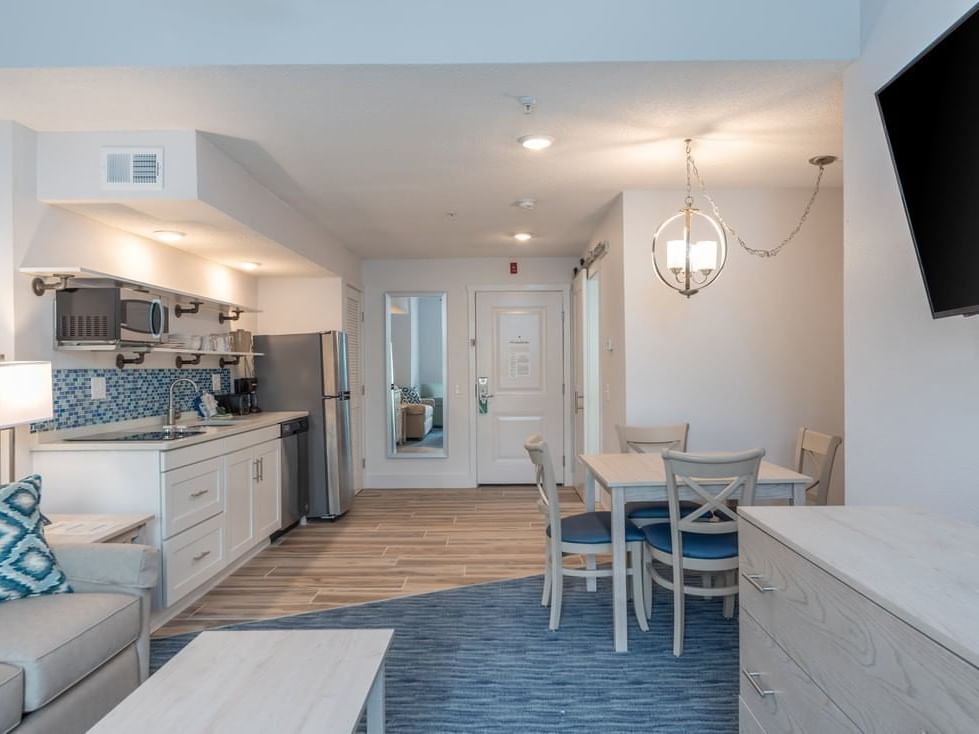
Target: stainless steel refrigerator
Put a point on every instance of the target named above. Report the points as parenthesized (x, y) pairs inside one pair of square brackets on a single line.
[(309, 372)]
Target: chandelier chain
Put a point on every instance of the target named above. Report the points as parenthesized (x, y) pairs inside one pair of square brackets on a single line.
[(772, 252)]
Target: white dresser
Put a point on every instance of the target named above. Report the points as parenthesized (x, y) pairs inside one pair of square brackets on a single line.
[(858, 619)]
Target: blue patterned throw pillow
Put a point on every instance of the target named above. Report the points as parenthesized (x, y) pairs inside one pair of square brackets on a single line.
[(27, 565), (410, 395)]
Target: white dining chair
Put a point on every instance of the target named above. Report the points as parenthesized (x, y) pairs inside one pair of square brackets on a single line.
[(650, 440), (816, 452), (589, 533), (705, 540)]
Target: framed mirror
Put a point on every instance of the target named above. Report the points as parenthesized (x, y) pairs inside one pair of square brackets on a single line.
[(417, 399)]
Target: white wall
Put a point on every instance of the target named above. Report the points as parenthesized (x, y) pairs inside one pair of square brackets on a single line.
[(455, 277), (759, 353), (404, 360), (912, 383), (611, 329), (299, 305), (429, 341)]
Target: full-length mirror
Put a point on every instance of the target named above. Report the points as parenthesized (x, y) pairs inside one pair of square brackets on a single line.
[(417, 405)]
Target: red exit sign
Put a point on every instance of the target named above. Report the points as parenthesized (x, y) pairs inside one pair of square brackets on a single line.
[(513, 268)]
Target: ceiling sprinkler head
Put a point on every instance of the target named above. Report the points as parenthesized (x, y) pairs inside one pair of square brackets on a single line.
[(527, 204)]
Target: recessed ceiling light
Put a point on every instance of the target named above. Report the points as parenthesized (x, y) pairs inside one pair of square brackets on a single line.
[(536, 142), (525, 203), (168, 235), (523, 236), (249, 265)]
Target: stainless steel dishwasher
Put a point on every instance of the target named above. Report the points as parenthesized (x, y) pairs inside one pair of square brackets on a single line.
[(295, 471)]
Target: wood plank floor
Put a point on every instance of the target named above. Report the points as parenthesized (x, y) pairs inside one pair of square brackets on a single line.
[(392, 543)]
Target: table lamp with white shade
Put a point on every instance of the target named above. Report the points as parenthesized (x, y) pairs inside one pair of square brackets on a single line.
[(25, 397)]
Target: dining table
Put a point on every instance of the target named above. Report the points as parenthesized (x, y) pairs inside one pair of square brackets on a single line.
[(641, 477)]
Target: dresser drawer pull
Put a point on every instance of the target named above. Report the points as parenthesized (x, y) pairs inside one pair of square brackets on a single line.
[(201, 555), (753, 680), (198, 493), (754, 580)]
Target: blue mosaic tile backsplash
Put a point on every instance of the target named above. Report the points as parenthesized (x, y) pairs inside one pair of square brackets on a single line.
[(129, 394)]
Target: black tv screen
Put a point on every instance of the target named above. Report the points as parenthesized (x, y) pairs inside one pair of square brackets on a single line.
[(930, 112)]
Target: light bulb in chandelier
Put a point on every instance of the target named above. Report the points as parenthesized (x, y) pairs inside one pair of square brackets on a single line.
[(694, 254)]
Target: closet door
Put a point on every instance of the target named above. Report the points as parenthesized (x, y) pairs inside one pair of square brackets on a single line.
[(353, 323)]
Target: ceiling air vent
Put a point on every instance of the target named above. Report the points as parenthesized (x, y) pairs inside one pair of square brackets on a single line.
[(132, 169)]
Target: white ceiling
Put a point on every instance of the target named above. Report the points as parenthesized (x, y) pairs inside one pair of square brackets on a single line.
[(379, 155)]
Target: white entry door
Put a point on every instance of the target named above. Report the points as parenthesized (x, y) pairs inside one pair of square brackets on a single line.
[(520, 356)]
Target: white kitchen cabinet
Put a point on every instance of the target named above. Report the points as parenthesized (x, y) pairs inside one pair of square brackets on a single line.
[(267, 501), (254, 484), (214, 502), (240, 472)]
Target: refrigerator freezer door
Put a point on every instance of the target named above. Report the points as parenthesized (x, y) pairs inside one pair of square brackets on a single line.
[(335, 378), (339, 462)]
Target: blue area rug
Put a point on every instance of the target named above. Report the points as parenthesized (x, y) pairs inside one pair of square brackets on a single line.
[(481, 659)]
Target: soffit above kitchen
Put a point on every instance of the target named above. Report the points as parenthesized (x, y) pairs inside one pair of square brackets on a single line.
[(178, 188)]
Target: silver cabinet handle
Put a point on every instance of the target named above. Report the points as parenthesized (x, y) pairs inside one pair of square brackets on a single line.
[(198, 493), (255, 470), (201, 555), (754, 579), (753, 680), (261, 469)]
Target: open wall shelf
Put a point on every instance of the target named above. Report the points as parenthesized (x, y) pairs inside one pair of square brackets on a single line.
[(87, 277)]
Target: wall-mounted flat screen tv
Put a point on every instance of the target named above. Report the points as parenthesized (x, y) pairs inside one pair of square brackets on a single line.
[(930, 112)]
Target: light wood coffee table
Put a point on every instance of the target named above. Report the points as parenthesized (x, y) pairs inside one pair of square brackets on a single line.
[(237, 682)]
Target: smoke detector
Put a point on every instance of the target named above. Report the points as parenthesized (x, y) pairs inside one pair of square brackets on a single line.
[(527, 204)]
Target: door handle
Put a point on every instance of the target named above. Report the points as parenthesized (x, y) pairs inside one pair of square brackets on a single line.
[(483, 394)]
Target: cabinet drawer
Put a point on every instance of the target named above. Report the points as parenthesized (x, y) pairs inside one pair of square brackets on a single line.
[(191, 558), (192, 494), (881, 672), (789, 701)]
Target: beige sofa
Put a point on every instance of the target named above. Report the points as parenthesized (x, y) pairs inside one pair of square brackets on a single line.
[(419, 418), (67, 659)]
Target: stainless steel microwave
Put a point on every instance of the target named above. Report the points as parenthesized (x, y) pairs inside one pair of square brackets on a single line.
[(96, 316)]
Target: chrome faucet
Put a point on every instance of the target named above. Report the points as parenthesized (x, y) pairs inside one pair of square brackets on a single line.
[(172, 410)]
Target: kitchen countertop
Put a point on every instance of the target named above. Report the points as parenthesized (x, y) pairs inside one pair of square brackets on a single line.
[(55, 441)]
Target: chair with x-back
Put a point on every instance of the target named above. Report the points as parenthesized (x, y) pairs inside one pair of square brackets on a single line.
[(706, 539), (589, 533), (651, 440)]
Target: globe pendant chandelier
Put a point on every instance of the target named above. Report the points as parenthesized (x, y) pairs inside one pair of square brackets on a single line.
[(692, 245)]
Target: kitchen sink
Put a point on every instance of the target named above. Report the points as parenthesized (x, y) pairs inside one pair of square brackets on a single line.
[(165, 433)]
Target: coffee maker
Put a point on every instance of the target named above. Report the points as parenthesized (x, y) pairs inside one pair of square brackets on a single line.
[(249, 386)]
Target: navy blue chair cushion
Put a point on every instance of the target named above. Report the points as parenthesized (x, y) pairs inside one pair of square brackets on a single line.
[(695, 545), (656, 510), (594, 527)]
